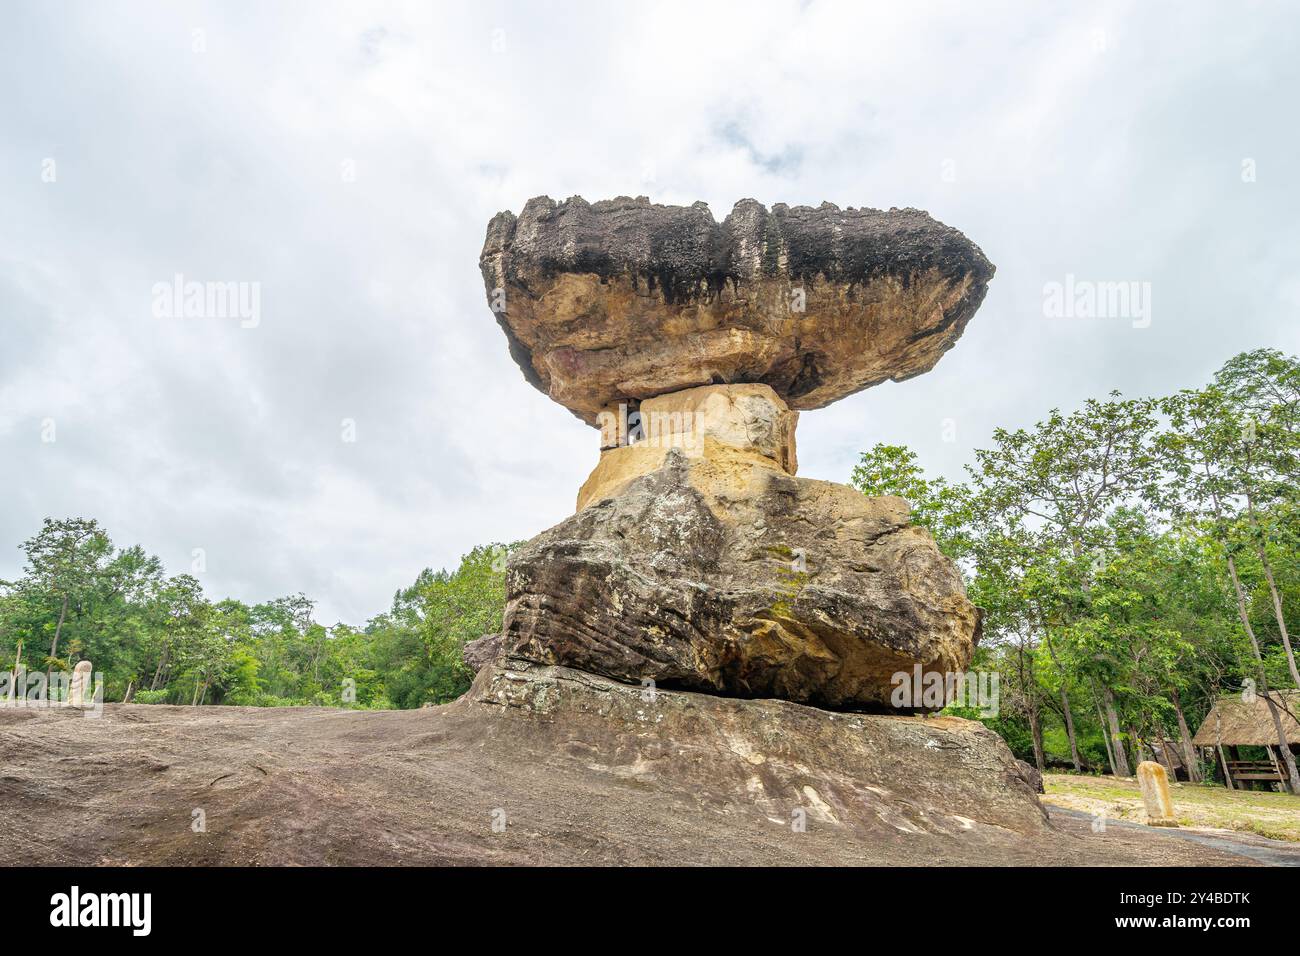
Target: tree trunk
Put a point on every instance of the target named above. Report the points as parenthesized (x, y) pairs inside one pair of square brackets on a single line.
[(1227, 774), (1166, 759), (1277, 767), (1069, 731), (1293, 774), (1281, 618), (1105, 737), (1135, 743), (18, 662), (1262, 554), (54, 650), (1036, 729), (1031, 707), (162, 660), (1243, 613), (58, 628), (1185, 736), (1119, 757), (1065, 708)]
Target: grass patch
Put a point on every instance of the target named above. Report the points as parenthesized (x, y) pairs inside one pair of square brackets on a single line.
[(1272, 815)]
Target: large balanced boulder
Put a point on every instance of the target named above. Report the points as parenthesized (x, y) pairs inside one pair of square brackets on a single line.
[(623, 299), (721, 572)]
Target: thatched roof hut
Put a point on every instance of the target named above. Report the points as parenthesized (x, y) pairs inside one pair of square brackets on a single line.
[(1235, 723)]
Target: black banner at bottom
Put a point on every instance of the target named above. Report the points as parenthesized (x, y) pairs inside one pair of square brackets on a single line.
[(334, 906)]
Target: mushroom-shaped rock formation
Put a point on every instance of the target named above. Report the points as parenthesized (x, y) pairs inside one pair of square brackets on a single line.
[(622, 300), (697, 558)]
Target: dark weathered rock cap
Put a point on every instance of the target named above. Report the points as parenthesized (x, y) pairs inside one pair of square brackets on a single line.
[(626, 299), (683, 246)]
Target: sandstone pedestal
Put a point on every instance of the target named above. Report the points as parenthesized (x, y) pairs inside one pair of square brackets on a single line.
[(718, 422), (931, 783)]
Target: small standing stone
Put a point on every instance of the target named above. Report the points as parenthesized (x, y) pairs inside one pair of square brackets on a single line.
[(80, 683), (1154, 782)]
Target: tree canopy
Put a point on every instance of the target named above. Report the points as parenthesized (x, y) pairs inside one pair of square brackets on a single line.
[(162, 639), (1135, 558)]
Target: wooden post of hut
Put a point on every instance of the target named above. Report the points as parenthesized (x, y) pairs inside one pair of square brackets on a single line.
[(1234, 722), (1223, 761)]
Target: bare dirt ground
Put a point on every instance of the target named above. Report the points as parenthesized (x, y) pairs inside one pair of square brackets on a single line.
[(565, 771)]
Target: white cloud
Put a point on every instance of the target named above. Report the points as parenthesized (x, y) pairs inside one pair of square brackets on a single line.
[(1112, 164)]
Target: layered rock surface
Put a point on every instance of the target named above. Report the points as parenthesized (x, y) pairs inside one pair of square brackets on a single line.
[(623, 299), (724, 573)]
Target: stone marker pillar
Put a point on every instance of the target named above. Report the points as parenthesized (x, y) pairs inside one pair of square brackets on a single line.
[(1155, 794), (79, 685)]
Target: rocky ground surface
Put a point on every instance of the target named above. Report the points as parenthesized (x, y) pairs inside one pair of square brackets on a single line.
[(572, 769)]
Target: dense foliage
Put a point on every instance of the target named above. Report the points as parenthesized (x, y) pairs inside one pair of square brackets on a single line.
[(1136, 559), (161, 639)]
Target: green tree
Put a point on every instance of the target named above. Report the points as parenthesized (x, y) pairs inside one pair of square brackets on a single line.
[(63, 561), (1215, 476), (937, 506)]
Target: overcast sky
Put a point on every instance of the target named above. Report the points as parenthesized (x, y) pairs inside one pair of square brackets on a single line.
[(347, 158)]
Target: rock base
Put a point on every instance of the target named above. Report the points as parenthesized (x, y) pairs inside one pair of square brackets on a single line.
[(536, 766), (879, 777)]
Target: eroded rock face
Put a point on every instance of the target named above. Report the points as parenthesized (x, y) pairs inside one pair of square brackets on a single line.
[(893, 778), (481, 652), (622, 299), (1030, 775), (724, 573)]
